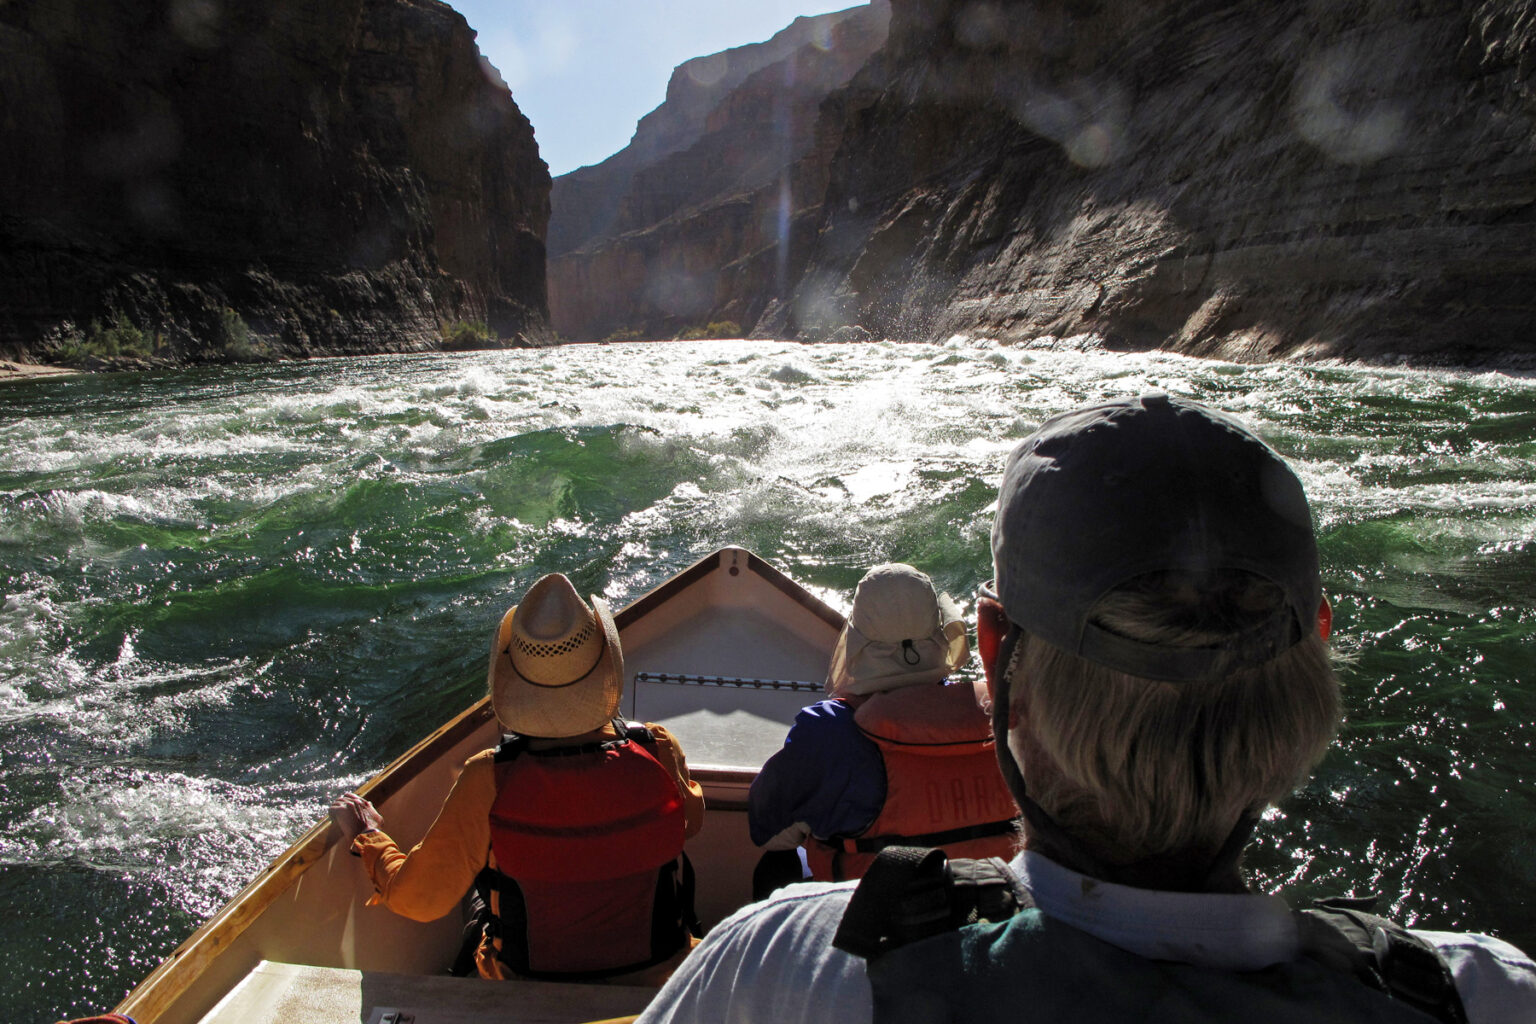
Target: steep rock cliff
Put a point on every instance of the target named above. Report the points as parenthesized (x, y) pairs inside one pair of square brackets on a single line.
[(586, 201), (328, 178), (1246, 180), (710, 211)]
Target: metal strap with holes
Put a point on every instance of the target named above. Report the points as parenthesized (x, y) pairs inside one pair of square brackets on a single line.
[(685, 679)]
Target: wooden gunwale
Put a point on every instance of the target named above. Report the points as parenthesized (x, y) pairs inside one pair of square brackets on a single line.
[(176, 973), (709, 565), (727, 788)]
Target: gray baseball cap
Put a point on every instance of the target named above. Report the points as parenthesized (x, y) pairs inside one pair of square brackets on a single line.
[(1099, 496)]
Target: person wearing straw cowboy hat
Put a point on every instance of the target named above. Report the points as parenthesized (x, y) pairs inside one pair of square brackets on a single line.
[(571, 831), (897, 754)]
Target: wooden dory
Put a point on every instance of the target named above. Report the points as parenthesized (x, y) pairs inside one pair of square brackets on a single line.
[(723, 654)]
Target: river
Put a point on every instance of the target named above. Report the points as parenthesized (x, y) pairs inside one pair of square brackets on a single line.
[(230, 593)]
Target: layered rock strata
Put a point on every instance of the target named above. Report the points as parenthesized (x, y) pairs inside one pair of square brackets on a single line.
[(267, 176), (710, 211), (1242, 180)]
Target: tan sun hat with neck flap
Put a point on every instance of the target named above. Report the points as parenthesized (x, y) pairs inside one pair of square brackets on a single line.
[(901, 632), (556, 668)]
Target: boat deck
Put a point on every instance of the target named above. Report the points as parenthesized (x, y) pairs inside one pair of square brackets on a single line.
[(277, 993), (724, 654)]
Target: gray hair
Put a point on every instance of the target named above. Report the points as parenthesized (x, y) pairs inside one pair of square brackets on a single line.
[(1136, 768)]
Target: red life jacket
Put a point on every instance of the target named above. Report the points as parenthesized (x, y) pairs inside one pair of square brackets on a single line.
[(943, 786), (587, 876)]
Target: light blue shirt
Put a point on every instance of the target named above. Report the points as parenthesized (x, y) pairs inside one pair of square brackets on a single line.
[(773, 961)]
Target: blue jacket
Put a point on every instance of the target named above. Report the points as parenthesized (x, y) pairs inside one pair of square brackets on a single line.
[(828, 775)]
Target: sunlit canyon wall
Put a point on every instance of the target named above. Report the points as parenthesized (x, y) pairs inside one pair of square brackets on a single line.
[(1242, 180), (1246, 180), (711, 210)]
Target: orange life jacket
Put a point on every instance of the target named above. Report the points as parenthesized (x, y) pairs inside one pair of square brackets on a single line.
[(942, 784), (587, 875)]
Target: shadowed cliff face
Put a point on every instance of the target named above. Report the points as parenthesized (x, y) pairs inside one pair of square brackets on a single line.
[(343, 177), (709, 212), (1243, 180)]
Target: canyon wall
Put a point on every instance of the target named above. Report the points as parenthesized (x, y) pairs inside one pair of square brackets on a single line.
[(1348, 179), (1351, 179), (711, 209), (263, 176), (1251, 181)]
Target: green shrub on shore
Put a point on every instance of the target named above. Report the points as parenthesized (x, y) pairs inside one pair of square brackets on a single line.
[(715, 329), (467, 334), (234, 336), (119, 339), (626, 334)]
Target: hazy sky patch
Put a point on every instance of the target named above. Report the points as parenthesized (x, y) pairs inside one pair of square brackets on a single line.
[(584, 71)]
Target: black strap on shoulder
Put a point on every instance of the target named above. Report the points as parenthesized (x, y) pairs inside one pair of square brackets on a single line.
[(911, 893), (874, 844), (1341, 934), (686, 895), (512, 744), (903, 893), (637, 731), (510, 747)]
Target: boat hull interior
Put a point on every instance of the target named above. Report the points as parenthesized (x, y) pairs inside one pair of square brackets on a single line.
[(723, 655)]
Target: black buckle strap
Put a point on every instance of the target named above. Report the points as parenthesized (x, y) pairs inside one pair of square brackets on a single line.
[(911, 893), (686, 895), (984, 889), (1341, 934), (903, 889), (1415, 973)]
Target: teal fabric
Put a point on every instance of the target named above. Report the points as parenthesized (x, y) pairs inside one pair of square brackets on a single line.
[(1032, 968)]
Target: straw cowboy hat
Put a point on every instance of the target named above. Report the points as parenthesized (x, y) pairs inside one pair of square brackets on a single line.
[(901, 633), (556, 668)]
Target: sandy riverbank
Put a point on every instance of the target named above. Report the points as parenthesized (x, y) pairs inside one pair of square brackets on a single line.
[(26, 371)]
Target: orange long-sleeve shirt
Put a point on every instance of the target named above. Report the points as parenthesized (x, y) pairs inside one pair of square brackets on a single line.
[(432, 878)]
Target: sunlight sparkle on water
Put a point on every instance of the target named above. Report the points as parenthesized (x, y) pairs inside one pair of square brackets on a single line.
[(230, 595)]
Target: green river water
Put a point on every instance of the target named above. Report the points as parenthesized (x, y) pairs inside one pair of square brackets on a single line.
[(231, 593)]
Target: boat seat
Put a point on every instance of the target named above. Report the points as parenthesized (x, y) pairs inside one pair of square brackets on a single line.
[(279, 993)]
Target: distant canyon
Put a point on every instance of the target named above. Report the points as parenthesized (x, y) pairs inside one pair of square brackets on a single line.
[(1244, 181)]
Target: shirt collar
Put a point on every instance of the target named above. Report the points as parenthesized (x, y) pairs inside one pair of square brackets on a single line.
[(1235, 932)]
